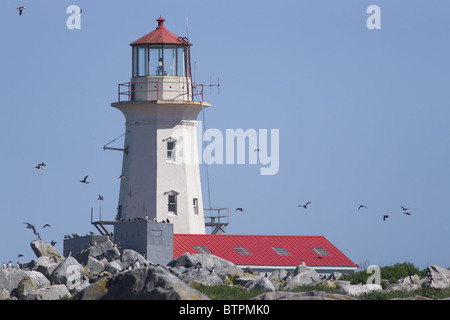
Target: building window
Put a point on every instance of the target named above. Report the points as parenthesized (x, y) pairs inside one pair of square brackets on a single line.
[(202, 249), (241, 250), (195, 203), (281, 251), (321, 251), (172, 203), (171, 150)]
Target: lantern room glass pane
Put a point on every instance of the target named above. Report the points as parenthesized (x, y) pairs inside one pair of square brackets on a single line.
[(180, 62), (135, 61), (142, 61), (170, 62), (156, 62)]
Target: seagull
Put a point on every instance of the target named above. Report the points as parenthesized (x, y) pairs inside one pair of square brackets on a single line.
[(210, 270), (100, 197), (304, 205), (137, 264), (407, 213), (198, 266), (46, 225), (21, 10), (385, 217), (239, 209), (303, 263), (122, 176), (70, 253), (256, 150), (30, 226), (362, 206), (403, 208), (38, 236), (19, 255), (84, 180), (53, 243)]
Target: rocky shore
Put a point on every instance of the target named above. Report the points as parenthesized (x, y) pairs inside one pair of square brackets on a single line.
[(103, 272)]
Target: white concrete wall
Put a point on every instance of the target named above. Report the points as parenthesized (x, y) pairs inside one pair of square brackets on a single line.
[(162, 88), (149, 174)]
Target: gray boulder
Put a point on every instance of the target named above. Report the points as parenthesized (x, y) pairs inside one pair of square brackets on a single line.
[(99, 251), (32, 281), (407, 284), (45, 265), (302, 275), (94, 291), (260, 283), (130, 257), (41, 248), (309, 295), (10, 279), (207, 261), (55, 292), (94, 266), (150, 283), (438, 277), (71, 274), (193, 276), (5, 295), (244, 280), (357, 289), (114, 266), (211, 268)]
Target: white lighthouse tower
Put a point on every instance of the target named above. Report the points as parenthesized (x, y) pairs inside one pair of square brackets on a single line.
[(160, 176)]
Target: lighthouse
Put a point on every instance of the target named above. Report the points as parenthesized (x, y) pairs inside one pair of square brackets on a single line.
[(160, 177)]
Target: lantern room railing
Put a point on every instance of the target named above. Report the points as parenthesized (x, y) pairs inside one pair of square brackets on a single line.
[(128, 92)]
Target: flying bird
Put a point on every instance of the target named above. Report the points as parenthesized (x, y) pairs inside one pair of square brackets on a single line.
[(46, 225), (122, 176), (407, 213), (239, 209), (385, 217), (40, 165), (100, 197), (362, 206), (84, 180), (403, 208), (304, 205), (30, 226), (21, 10), (256, 150), (19, 255)]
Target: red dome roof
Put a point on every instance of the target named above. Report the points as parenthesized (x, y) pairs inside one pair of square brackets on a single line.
[(159, 36)]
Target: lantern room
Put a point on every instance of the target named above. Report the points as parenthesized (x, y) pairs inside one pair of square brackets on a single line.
[(161, 66)]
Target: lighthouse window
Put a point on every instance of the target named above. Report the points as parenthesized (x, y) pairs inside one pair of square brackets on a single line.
[(180, 62), (143, 61), (156, 62), (171, 150), (195, 205), (170, 67), (173, 203)]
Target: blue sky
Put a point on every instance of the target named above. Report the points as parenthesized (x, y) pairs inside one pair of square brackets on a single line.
[(362, 115)]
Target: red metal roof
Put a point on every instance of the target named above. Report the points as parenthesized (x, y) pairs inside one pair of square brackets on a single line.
[(261, 249), (159, 36)]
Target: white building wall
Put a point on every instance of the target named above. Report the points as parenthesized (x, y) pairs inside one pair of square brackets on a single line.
[(150, 175)]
